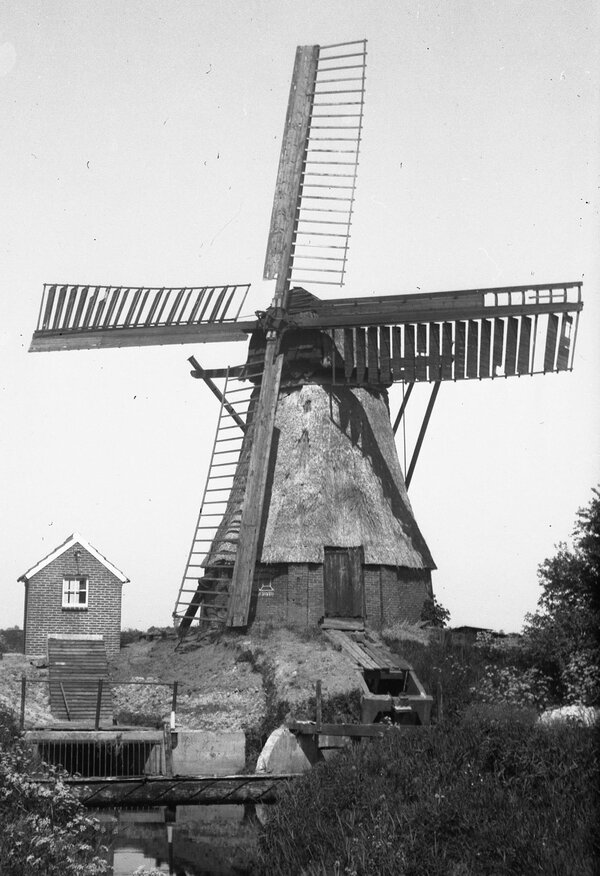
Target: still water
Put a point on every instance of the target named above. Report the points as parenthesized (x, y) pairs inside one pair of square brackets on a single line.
[(183, 841)]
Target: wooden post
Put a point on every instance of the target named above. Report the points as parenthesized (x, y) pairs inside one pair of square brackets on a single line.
[(23, 690), (291, 164), (174, 705), (319, 705), (168, 749), (98, 703), (440, 702), (64, 696), (262, 435)]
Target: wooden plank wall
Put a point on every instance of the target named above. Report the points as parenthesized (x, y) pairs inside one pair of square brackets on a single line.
[(76, 665)]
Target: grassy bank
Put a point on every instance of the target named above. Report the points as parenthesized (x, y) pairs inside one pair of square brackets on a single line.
[(492, 793)]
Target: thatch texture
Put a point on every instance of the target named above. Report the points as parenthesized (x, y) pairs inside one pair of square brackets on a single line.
[(334, 480)]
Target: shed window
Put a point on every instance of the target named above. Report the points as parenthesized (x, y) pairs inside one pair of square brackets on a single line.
[(75, 593)]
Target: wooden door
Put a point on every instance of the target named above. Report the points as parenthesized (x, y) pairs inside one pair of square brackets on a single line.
[(343, 582)]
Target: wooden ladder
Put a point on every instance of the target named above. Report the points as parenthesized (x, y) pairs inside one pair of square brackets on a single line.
[(204, 592)]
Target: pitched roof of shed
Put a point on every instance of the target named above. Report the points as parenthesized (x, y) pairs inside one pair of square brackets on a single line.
[(75, 538)]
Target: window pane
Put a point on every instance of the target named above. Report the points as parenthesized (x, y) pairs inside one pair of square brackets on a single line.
[(74, 592)]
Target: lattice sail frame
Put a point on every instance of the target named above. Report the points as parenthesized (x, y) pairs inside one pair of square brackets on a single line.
[(316, 178), (326, 203)]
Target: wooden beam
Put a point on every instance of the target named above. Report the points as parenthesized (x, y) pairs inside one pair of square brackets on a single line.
[(486, 344), (426, 418), (409, 351), (510, 359), (348, 353), (60, 736), (291, 161), (459, 350), (472, 349), (361, 355), (372, 354), (523, 356), (401, 315), (262, 435), (402, 407), (397, 362), (498, 348), (452, 299), (551, 337), (384, 355), (309, 728), (45, 341), (421, 360), (447, 357), (434, 351), (198, 370), (562, 359)]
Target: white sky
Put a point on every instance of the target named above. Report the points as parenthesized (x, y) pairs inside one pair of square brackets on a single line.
[(139, 145)]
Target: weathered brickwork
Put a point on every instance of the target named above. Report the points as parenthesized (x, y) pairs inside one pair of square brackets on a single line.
[(45, 615), (294, 594), (288, 594), (402, 595)]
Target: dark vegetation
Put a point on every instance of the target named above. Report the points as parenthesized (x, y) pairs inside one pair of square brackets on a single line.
[(489, 794), (486, 789), (434, 614), (44, 830), (11, 639)]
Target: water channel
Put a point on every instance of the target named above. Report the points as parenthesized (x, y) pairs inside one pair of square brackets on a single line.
[(182, 841)]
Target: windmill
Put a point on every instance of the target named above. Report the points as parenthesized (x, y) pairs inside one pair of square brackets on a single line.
[(305, 510)]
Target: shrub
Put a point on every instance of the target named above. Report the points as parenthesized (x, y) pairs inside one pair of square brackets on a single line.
[(44, 830), (12, 638), (433, 614), (129, 636), (9, 730), (512, 686), (491, 795), (581, 677), (448, 672)]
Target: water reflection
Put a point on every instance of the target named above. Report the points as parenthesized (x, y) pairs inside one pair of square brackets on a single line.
[(186, 841)]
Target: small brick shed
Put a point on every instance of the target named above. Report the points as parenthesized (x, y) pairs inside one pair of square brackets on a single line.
[(72, 591)]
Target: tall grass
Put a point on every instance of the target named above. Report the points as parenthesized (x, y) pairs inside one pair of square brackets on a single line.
[(491, 794)]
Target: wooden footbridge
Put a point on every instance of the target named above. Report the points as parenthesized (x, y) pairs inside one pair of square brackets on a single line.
[(178, 790)]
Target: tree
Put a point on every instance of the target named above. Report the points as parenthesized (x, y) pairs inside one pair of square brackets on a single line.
[(561, 638), (433, 614)]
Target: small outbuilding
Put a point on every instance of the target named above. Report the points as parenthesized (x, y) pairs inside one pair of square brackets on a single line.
[(74, 591)]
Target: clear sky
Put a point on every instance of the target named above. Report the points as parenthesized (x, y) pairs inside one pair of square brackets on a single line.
[(139, 145)]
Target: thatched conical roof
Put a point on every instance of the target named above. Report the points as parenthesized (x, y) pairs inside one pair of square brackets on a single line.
[(334, 480)]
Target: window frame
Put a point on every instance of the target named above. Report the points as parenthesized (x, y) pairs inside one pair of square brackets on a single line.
[(69, 590)]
